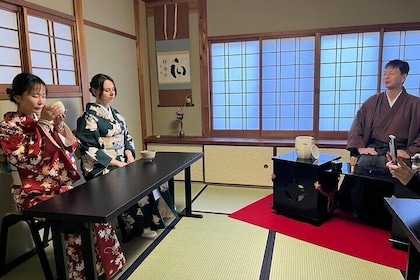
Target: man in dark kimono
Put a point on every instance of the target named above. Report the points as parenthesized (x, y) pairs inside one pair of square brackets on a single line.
[(391, 112)]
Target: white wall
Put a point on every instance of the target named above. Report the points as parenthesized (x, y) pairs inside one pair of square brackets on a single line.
[(116, 56), (64, 6), (227, 17)]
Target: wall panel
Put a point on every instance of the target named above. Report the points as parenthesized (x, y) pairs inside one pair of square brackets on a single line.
[(238, 165)]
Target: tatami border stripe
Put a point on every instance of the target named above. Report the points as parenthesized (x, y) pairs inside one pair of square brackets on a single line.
[(268, 256)]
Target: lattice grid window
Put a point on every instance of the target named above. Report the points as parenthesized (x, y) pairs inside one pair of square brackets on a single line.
[(51, 49)]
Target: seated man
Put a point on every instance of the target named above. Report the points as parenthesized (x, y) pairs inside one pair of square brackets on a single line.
[(391, 112)]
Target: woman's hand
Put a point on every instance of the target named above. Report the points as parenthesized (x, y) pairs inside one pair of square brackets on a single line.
[(367, 151), (60, 118), (129, 156), (59, 122), (117, 163), (399, 170), (52, 112)]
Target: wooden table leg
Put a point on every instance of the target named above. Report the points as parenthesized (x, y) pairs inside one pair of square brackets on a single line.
[(171, 184), (413, 265), (59, 251), (188, 196), (89, 251)]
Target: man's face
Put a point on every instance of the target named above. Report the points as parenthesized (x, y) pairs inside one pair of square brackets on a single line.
[(393, 79)]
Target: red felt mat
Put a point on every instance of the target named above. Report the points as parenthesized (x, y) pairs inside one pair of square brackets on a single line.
[(341, 233)]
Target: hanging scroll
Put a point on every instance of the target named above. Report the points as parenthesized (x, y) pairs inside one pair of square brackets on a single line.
[(173, 54)]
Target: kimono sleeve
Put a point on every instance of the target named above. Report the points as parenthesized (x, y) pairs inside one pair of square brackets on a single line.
[(22, 144), (414, 184), (129, 143), (128, 140), (414, 130), (360, 132), (356, 132), (91, 143)]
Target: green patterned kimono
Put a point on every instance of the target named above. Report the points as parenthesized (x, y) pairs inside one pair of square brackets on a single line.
[(104, 136)]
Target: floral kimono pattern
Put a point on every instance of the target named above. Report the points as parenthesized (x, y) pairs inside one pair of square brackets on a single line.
[(104, 136), (45, 165)]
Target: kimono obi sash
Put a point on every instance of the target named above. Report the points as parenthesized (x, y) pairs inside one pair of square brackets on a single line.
[(114, 145)]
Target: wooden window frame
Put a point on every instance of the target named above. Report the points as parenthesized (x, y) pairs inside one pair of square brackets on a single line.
[(328, 135), (23, 9)]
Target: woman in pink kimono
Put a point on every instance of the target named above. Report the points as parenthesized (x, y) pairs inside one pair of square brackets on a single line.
[(39, 146)]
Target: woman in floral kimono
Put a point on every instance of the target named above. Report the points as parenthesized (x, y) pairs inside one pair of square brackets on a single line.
[(39, 146), (105, 144)]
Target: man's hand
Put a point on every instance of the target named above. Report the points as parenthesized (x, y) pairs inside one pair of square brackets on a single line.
[(403, 154), (367, 151), (399, 170)]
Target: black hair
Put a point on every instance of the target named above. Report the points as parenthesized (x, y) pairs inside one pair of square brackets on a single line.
[(400, 64), (23, 82), (97, 83)]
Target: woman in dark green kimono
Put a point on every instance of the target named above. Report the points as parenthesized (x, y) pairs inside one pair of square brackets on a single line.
[(105, 144)]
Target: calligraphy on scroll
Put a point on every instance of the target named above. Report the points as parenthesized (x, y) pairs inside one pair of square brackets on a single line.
[(174, 67)]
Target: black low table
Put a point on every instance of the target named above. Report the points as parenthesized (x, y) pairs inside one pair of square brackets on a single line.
[(103, 198), (406, 212), (367, 190), (363, 192), (304, 188)]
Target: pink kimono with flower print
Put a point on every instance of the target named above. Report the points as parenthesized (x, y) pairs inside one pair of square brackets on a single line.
[(46, 167)]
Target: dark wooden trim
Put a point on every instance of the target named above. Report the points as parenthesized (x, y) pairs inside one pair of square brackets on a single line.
[(3, 96), (204, 68), (16, 9), (53, 14), (63, 89), (381, 55), (62, 94), (109, 29), (197, 140), (23, 9), (24, 46), (317, 82), (140, 72), (82, 55), (173, 98), (9, 7), (330, 135), (51, 17)]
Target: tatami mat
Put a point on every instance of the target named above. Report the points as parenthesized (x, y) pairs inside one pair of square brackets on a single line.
[(31, 268), (132, 249), (299, 260), (218, 247), (137, 245), (228, 199), (196, 187), (214, 247)]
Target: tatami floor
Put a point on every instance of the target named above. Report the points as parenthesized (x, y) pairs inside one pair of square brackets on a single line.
[(219, 247)]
